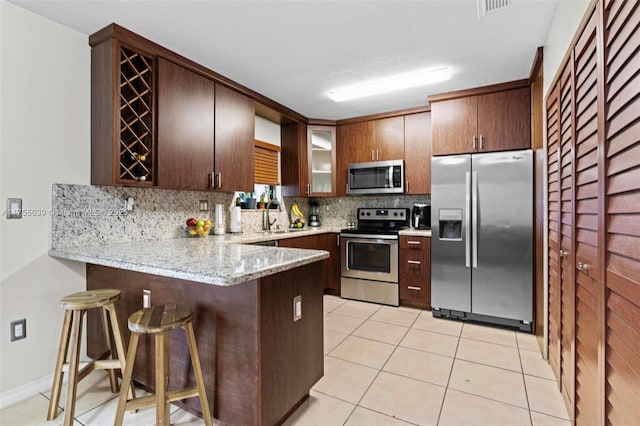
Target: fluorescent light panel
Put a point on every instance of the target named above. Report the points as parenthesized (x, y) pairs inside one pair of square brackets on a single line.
[(390, 84)]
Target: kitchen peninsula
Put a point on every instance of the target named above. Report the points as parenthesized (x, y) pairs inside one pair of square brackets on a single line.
[(258, 361)]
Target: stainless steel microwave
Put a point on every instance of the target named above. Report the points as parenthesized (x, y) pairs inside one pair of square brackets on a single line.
[(376, 177)]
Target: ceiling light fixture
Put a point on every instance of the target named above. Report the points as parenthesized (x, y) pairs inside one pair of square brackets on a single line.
[(390, 84)]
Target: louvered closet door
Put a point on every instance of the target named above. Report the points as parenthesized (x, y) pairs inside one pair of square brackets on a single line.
[(567, 267), (553, 178), (622, 57), (586, 240)]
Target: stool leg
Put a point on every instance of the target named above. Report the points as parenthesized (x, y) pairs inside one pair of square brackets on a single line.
[(126, 378), (162, 405), (117, 336), (57, 374), (197, 370), (107, 339), (72, 388)]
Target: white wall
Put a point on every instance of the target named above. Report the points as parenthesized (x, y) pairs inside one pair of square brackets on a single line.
[(566, 19), (267, 131), (44, 138)]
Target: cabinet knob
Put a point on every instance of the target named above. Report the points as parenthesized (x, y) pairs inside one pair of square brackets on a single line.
[(584, 267), (563, 253)]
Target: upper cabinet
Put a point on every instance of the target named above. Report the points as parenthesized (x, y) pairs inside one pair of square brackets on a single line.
[(159, 119), (417, 153), (367, 140), (123, 146), (321, 153), (234, 140), (186, 108), (495, 118)]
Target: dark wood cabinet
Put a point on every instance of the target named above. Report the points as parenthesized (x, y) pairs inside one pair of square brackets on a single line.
[(294, 159), (415, 271), (123, 146), (367, 140), (186, 108), (234, 140), (417, 153), (482, 122), (331, 266)]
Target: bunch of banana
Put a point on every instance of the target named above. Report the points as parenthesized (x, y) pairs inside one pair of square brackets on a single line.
[(297, 217)]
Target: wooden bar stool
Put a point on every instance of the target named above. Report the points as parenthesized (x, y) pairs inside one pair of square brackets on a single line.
[(159, 320), (75, 306)]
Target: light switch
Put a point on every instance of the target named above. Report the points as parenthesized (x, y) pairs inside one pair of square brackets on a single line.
[(14, 208)]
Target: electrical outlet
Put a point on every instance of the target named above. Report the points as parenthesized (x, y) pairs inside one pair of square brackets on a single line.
[(297, 308), (14, 208), (18, 329), (146, 299), (203, 205)]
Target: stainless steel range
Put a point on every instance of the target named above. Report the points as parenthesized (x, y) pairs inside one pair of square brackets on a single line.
[(370, 255)]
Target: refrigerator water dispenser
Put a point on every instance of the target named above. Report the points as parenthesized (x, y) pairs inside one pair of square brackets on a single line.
[(450, 224)]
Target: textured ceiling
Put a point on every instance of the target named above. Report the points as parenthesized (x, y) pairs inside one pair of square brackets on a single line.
[(294, 52)]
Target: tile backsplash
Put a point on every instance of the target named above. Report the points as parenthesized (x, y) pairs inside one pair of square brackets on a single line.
[(90, 215)]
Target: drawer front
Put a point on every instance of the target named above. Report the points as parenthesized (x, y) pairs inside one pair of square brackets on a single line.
[(415, 243), (415, 271)]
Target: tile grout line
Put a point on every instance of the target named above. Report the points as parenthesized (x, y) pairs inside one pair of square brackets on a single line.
[(380, 369), (446, 389), (524, 382)]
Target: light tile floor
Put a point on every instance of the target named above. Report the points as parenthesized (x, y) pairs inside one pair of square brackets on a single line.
[(383, 366)]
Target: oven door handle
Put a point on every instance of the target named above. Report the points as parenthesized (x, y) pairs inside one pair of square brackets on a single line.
[(369, 237)]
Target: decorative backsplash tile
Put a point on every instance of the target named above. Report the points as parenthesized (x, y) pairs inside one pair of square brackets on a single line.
[(90, 215)]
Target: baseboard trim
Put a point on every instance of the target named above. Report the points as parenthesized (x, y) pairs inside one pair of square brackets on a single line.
[(26, 391)]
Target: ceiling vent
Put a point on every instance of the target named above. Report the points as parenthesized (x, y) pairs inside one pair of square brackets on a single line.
[(488, 7)]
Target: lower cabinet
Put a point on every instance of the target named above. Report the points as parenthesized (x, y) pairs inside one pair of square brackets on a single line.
[(415, 271), (331, 268)]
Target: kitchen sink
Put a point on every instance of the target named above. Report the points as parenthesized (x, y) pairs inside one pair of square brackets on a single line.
[(282, 231)]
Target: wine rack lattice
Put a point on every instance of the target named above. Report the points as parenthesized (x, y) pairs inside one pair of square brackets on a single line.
[(136, 116)]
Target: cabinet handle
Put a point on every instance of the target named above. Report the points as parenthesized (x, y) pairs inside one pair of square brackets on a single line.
[(475, 142), (563, 253), (412, 287), (414, 243), (338, 241), (481, 142), (377, 154), (213, 180), (372, 156), (308, 189), (413, 262)]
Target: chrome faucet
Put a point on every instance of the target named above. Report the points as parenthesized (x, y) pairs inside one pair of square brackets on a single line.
[(266, 223)]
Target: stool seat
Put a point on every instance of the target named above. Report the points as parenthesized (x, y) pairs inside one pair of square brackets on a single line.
[(158, 319), (90, 299)]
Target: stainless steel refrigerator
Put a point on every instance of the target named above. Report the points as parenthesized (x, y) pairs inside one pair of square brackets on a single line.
[(482, 237)]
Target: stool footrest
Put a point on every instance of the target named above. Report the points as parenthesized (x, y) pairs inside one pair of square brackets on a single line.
[(146, 401)]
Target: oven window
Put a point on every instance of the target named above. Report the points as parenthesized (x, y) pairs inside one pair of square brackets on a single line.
[(371, 257)]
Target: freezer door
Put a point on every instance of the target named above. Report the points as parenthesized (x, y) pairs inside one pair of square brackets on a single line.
[(502, 282), (450, 243)]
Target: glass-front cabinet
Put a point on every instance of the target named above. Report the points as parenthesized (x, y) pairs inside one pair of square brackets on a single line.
[(321, 149)]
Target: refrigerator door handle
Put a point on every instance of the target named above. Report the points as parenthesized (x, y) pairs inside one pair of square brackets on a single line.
[(467, 222), (474, 220)]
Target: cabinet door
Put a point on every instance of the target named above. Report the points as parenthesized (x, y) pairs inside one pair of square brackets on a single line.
[(235, 136), (321, 160), (388, 139), (454, 125), (185, 128), (354, 143), (294, 168), (417, 153), (333, 246), (415, 271), (504, 120)]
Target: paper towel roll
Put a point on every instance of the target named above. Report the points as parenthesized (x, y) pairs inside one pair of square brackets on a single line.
[(236, 220)]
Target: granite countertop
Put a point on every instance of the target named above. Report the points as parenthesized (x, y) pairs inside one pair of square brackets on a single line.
[(220, 260), (416, 232)]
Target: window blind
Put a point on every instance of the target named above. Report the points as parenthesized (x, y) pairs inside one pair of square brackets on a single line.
[(267, 163)]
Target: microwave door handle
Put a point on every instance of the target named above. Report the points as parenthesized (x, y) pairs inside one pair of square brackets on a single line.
[(391, 177)]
